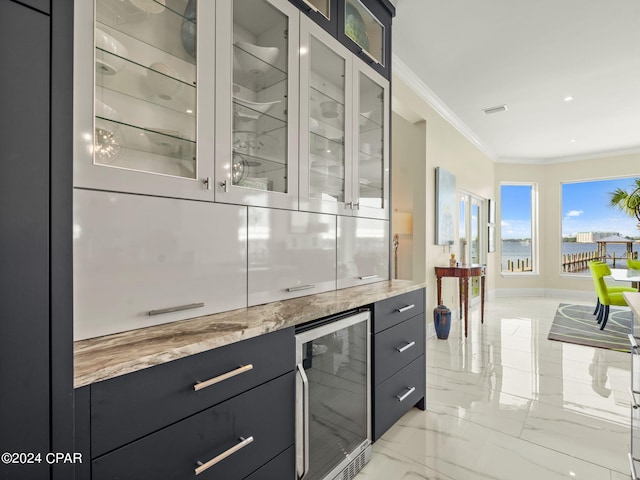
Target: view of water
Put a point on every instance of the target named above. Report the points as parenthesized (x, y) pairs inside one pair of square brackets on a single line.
[(515, 251)]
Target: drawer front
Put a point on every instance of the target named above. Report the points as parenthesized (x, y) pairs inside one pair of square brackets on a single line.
[(283, 467), (136, 258), (394, 310), (397, 347), (291, 254), (265, 413), (363, 254), (126, 408), (388, 407)]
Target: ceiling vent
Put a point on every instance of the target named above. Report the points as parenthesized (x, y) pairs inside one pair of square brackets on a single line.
[(489, 111)]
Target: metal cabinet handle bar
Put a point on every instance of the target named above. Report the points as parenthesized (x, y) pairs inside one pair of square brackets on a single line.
[(224, 376), (404, 309), (634, 404), (179, 308), (301, 287), (406, 347), (370, 57), (632, 340), (368, 277), (311, 6), (409, 392), (204, 466)]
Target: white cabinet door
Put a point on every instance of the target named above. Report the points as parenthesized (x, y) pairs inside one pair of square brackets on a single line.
[(136, 258), (291, 254), (363, 251), (257, 54), (326, 116), (144, 122), (370, 150)]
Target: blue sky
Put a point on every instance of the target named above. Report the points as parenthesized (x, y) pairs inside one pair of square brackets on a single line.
[(584, 209)]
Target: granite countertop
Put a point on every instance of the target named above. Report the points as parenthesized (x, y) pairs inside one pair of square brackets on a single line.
[(101, 358), (633, 300)]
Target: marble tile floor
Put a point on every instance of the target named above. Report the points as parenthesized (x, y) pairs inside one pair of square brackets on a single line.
[(506, 403)]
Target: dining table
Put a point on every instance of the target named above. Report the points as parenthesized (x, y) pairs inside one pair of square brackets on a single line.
[(626, 275)]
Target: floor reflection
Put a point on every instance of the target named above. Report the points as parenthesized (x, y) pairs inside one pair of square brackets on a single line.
[(507, 403)]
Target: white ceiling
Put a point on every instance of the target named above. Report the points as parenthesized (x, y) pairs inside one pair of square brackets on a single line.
[(469, 55)]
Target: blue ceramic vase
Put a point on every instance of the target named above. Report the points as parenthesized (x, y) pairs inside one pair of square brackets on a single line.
[(442, 321), (188, 32)]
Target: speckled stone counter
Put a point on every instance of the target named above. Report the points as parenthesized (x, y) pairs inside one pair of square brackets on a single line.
[(106, 357)]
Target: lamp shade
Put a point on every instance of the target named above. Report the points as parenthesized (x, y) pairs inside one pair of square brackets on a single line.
[(402, 223)]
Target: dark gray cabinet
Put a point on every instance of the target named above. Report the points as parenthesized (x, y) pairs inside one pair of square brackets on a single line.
[(234, 403), (399, 361)]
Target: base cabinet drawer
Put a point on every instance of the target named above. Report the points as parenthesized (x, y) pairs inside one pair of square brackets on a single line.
[(394, 310), (395, 397), (131, 406), (397, 347), (242, 433), (280, 468)]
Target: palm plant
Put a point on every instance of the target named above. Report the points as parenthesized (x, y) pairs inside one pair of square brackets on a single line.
[(627, 201)]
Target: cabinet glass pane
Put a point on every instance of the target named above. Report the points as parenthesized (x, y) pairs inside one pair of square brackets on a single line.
[(323, 6), (361, 26), (326, 123), (145, 92), (259, 96), (371, 143)]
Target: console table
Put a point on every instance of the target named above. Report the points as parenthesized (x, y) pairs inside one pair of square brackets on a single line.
[(463, 274)]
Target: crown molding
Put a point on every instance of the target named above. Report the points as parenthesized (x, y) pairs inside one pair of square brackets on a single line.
[(571, 158), (404, 73)]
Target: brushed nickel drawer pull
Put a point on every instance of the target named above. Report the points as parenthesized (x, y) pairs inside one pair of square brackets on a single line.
[(634, 343), (204, 466), (406, 347), (179, 308), (404, 309), (301, 287), (409, 392), (224, 376), (311, 6), (368, 277)]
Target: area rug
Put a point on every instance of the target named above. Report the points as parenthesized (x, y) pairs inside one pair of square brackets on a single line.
[(577, 324)]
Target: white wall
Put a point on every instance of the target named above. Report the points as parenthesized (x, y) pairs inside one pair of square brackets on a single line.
[(414, 168)]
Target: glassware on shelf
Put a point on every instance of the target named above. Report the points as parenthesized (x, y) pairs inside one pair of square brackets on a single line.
[(110, 54), (188, 29), (365, 29), (163, 80)]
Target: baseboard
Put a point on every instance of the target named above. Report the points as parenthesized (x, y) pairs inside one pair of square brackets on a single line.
[(519, 292), (544, 292)]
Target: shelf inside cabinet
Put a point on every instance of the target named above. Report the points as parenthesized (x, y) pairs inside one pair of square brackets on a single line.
[(254, 73), (257, 172), (326, 111), (169, 25), (121, 145)]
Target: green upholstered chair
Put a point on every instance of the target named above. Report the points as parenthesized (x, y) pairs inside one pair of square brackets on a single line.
[(607, 296), (633, 264)]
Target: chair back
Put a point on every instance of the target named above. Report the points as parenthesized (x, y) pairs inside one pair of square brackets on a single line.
[(633, 264), (598, 272)]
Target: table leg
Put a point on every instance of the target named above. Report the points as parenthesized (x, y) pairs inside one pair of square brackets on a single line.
[(482, 299), (466, 305), (439, 284), (460, 296)]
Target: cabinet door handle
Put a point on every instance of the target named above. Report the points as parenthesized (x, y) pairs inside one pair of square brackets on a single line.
[(404, 309), (302, 419), (301, 287), (368, 277), (207, 182), (407, 393), (371, 58), (406, 347), (204, 466), (311, 6), (634, 343), (225, 186), (634, 404), (179, 308), (634, 476), (220, 378)]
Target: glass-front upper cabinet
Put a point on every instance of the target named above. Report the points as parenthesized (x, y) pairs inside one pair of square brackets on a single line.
[(326, 106), (366, 29), (257, 103), (371, 146), (143, 121)]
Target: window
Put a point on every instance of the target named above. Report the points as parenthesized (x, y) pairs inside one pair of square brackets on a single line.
[(472, 248), (519, 227), (588, 219)]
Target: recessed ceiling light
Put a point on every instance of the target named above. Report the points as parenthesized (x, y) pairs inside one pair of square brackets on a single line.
[(573, 140), (490, 110), (568, 98)]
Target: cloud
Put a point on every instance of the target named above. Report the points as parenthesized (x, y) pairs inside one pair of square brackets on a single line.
[(574, 213)]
